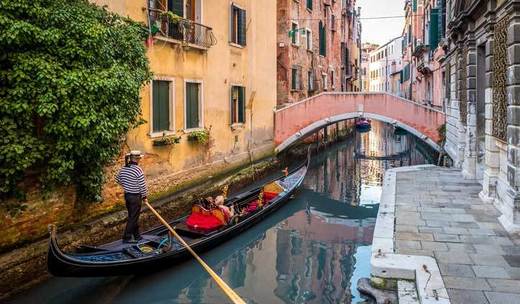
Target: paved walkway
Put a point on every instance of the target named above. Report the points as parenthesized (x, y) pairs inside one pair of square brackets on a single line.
[(439, 214)]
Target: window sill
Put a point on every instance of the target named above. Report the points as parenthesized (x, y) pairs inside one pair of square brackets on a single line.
[(160, 134), (187, 131), (237, 126), (236, 45), (296, 45), (310, 51), (309, 10)]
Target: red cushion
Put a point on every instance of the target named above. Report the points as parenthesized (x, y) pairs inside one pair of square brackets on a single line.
[(268, 196), (203, 221), (252, 206)]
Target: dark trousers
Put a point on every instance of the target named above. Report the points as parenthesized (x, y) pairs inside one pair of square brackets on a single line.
[(133, 206)]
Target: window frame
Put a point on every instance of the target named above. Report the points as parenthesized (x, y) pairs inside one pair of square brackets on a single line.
[(308, 39), (295, 39), (297, 81), (201, 105), (236, 123), (171, 130), (232, 41)]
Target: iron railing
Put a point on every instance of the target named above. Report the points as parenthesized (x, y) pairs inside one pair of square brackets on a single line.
[(184, 30)]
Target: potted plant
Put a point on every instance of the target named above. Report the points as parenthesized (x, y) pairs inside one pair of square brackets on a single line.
[(200, 136), (166, 140)]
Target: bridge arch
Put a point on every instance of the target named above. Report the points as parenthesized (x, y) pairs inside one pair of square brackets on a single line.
[(296, 121)]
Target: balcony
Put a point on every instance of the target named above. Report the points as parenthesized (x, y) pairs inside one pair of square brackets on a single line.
[(180, 30)]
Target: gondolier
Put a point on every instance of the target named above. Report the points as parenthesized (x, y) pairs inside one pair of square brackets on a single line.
[(131, 178)]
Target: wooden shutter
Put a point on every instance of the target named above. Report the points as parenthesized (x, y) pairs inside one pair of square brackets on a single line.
[(309, 4), (434, 28), (161, 106), (176, 7), (241, 27), (241, 104), (323, 42), (192, 105)]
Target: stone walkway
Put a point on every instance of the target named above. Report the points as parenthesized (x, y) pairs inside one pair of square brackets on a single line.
[(439, 214)]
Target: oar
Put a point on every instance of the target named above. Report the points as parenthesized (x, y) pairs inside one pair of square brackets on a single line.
[(233, 296)]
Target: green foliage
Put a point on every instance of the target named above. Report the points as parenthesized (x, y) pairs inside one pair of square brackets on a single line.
[(201, 136), (70, 76), (167, 140), (442, 133)]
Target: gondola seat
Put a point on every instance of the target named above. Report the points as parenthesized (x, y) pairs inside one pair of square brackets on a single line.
[(204, 219)]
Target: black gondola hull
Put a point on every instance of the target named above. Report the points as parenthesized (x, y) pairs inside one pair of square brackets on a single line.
[(61, 264)]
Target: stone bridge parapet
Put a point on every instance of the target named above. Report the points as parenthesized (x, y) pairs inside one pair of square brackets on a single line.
[(296, 121)]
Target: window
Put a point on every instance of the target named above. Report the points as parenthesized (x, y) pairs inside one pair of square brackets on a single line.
[(309, 4), (193, 105), (238, 105), (308, 43), (161, 105), (324, 81), (296, 78), (310, 81), (238, 25), (295, 35), (323, 39), (332, 79)]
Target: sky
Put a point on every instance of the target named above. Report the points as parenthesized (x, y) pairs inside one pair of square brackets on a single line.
[(381, 31)]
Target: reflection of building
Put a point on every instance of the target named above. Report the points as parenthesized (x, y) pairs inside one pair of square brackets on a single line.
[(309, 253)]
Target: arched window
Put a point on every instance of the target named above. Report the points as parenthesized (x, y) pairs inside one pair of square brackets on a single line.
[(323, 39)]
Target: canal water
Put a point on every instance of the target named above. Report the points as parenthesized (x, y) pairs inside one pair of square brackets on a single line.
[(312, 250)]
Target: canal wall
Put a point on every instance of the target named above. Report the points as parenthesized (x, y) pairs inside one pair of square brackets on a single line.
[(25, 266)]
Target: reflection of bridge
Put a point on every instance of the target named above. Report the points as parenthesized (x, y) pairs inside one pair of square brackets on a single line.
[(303, 118), (385, 157)]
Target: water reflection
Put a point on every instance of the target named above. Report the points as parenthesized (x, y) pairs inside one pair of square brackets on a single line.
[(312, 250)]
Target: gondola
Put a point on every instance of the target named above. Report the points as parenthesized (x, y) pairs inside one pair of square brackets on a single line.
[(158, 249)]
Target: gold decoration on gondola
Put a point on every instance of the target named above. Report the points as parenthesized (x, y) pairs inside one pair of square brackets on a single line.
[(260, 199), (225, 191)]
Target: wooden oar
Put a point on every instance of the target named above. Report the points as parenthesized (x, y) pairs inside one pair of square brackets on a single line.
[(233, 296)]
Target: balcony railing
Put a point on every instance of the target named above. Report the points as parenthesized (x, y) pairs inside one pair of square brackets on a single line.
[(184, 30)]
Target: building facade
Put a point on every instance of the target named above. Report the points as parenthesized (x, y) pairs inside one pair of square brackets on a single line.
[(317, 48), (366, 49), (385, 66), (423, 52), (483, 89), (209, 106)]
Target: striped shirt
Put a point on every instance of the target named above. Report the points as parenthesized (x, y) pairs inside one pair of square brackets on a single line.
[(132, 179)]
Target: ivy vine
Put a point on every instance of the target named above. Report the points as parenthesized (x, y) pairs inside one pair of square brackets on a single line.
[(70, 77)]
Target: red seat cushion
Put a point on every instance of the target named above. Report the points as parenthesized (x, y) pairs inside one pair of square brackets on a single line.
[(268, 196), (203, 221)]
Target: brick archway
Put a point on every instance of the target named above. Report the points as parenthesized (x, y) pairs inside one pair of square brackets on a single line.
[(298, 120)]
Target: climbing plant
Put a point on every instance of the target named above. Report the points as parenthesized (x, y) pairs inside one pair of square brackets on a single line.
[(70, 76)]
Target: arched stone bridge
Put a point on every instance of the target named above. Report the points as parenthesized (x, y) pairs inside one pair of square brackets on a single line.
[(296, 121)]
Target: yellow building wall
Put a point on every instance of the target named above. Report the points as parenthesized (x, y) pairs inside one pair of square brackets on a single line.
[(220, 66)]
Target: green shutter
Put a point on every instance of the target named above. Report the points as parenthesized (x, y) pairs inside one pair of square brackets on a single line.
[(161, 106), (192, 105), (323, 39), (434, 28), (241, 104), (241, 27), (414, 5), (176, 7), (309, 4)]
